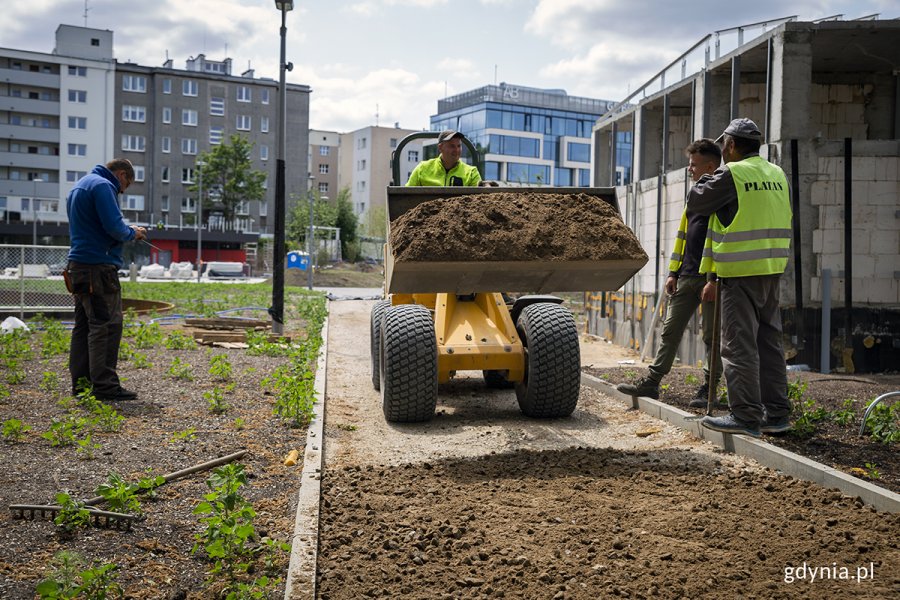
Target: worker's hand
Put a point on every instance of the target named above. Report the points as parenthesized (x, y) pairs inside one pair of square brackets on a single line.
[(139, 232), (709, 292), (671, 284)]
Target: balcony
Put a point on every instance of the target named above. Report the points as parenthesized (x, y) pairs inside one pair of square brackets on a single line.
[(23, 187), (24, 160), (29, 106), (29, 78), (29, 134)]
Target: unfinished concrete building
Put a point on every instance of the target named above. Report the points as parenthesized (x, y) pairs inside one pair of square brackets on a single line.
[(826, 96)]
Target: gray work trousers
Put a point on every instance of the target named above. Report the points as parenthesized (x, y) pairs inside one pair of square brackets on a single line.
[(94, 350), (679, 311), (751, 348)]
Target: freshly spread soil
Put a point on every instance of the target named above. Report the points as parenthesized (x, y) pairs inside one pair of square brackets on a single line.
[(511, 226), (594, 523)]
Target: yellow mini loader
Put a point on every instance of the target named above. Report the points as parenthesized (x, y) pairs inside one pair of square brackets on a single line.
[(440, 318)]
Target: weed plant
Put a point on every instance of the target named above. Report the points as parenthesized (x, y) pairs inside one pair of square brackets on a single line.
[(14, 430)]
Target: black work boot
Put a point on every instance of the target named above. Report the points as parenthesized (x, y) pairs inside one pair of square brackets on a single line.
[(645, 386), (701, 398)]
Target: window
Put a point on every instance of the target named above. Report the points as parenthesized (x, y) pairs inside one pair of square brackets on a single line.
[(243, 93), (393, 142), (264, 95), (579, 152), (167, 86), (323, 187), (263, 153), (188, 146), (95, 41), (77, 149), (323, 169), (242, 208), (188, 117), (189, 87), (264, 124), (188, 205), (164, 204), (166, 144), (133, 143), (217, 107), (215, 135), (361, 165), (165, 175), (187, 175), (133, 202), (323, 150), (413, 156), (79, 96), (134, 114), (73, 176), (134, 83), (77, 71), (243, 123), (167, 114), (138, 173), (361, 186), (77, 122), (361, 143)]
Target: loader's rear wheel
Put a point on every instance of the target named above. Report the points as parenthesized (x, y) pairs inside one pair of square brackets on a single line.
[(552, 361), (375, 340), (408, 364), (497, 380)]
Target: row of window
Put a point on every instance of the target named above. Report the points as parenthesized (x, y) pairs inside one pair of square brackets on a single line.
[(138, 143), (190, 87), (190, 117)]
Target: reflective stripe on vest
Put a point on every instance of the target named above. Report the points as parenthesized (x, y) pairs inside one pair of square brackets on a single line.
[(680, 238), (758, 240)]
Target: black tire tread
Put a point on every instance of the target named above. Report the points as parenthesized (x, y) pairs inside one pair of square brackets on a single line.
[(375, 340), (409, 385), (553, 370)]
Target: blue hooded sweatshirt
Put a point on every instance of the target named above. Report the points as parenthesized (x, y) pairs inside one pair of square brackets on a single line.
[(96, 224)]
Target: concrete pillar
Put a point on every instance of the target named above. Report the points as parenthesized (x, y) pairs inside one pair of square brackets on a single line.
[(790, 118), (651, 136), (601, 156)]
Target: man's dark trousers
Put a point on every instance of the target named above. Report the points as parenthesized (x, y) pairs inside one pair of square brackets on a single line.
[(94, 352)]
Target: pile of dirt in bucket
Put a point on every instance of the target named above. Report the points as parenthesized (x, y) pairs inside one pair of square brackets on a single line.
[(511, 226)]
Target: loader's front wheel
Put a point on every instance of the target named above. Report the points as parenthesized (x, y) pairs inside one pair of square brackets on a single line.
[(375, 340), (552, 361), (408, 364)]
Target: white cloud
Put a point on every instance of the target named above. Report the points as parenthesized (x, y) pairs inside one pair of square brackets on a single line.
[(456, 65)]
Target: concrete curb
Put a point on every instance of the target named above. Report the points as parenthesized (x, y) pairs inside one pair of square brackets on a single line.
[(763, 452), (301, 575)]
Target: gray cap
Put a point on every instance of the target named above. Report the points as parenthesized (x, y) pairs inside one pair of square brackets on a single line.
[(448, 135), (742, 128)]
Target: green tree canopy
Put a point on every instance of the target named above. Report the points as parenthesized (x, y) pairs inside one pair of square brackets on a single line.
[(229, 177), (338, 213)]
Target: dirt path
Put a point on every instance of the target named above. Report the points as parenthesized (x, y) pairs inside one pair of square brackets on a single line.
[(481, 502)]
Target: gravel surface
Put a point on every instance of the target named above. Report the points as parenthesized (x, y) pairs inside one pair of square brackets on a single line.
[(484, 503)]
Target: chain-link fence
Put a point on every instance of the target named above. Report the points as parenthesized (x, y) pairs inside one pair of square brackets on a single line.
[(31, 280)]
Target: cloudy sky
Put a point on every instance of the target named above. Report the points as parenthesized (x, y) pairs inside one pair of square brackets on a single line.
[(396, 58)]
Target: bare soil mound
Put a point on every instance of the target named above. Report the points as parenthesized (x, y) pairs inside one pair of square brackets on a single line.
[(511, 226), (594, 523)]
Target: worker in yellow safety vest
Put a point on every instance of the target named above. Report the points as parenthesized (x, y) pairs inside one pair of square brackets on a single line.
[(448, 168), (746, 250), (684, 287)]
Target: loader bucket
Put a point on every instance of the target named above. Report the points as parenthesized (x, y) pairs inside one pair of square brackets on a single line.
[(468, 277)]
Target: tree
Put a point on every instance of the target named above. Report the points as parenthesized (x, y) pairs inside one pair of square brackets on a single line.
[(229, 177), (347, 222), (324, 215), (375, 224)]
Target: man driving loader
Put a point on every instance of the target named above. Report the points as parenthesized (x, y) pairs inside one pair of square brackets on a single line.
[(448, 168)]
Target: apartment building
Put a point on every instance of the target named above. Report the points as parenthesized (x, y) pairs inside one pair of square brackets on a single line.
[(324, 154), (365, 163), (56, 123), (63, 112)]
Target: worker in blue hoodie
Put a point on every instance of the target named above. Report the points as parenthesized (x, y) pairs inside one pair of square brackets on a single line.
[(98, 230)]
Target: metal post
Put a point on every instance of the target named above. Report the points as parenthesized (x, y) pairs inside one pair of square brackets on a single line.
[(36, 181), (199, 166), (309, 239), (277, 310)]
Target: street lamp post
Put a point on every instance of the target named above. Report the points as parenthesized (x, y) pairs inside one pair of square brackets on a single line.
[(199, 165), (277, 310), (36, 181), (310, 236)]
